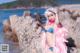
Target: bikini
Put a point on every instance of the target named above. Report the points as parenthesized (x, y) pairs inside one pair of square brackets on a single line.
[(51, 30)]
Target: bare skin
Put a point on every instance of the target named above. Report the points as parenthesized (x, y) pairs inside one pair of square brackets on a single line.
[(50, 37)]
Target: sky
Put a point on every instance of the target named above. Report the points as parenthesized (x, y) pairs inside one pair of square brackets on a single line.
[(5, 1)]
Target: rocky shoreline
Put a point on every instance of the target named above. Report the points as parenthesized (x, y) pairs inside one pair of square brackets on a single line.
[(28, 36)]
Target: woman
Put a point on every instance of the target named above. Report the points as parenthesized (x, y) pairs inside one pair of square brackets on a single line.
[(54, 37)]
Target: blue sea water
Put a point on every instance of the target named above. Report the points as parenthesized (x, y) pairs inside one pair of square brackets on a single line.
[(4, 14)]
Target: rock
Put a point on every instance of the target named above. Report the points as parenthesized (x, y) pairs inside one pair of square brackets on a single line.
[(28, 35), (10, 37), (71, 21), (9, 33)]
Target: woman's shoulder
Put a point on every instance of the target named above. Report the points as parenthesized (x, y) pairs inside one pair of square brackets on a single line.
[(61, 27)]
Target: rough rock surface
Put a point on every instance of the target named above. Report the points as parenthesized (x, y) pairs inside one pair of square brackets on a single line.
[(69, 16), (28, 35)]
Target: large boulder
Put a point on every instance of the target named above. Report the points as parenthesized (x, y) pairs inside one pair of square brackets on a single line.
[(69, 16), (27, 33)]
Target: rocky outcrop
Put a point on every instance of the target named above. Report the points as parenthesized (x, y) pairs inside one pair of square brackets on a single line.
[(10, 37), (27, 33), (70, 18), (10, 34)]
